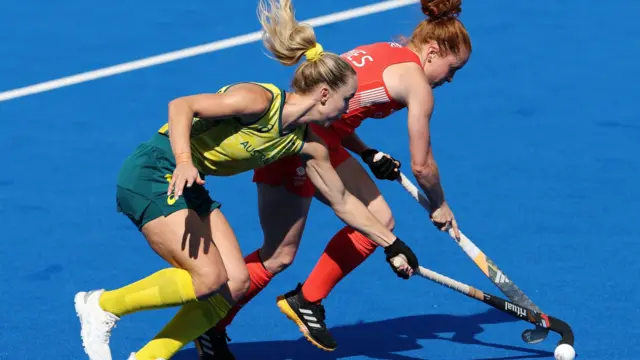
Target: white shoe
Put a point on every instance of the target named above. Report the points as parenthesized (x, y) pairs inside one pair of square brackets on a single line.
[(95, 325), (133, 357)]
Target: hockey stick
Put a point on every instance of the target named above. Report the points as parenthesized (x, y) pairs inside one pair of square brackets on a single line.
[(491, 270), (541, 320)]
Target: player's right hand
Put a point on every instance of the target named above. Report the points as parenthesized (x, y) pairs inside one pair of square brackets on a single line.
[(444, 220), (398, 247), (184, 174)]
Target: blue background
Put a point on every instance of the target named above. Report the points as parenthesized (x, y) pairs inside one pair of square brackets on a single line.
[(537, 142)]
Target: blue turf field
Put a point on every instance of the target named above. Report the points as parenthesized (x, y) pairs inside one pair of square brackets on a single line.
[(537, 141)]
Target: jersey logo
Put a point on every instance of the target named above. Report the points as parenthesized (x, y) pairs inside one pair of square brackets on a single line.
[(301, 176), (265, 128), (171, 199)]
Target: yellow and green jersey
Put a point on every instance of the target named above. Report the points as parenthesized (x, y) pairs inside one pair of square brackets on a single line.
[(224, 147)]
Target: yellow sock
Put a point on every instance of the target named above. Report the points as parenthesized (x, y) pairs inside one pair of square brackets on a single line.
[(193, 320), (165, 288)]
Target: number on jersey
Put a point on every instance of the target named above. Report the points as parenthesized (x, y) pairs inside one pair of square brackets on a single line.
[(358, 58)]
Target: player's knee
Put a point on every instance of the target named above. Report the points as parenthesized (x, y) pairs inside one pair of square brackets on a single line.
[(208, 281), (242, 287), (239, 283)]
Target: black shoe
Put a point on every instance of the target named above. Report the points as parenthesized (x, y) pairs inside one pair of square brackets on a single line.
[(309, 317), (212, 345)]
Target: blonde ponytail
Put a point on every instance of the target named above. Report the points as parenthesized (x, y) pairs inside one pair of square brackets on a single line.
[(283, 36), (289, 41)]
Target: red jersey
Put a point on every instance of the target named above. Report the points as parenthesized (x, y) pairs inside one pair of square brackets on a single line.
[(372, 99)]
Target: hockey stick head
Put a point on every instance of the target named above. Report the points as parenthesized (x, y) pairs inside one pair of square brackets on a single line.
[(563, 329), (556, 325)]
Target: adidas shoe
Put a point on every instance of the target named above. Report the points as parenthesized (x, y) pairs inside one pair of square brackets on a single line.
[(308, 316), (213, 345)]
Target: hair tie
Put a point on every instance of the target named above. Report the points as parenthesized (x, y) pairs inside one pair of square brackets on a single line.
[(314, 53)]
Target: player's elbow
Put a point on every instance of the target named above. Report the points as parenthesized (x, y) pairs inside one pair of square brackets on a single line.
[(176, 103), (423, 169), (179, 105)]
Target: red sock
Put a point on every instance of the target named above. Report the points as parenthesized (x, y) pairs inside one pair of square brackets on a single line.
[(347, 249), (259, 278)]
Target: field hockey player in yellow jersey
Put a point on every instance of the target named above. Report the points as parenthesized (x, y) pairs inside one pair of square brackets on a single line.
[(239, 128)]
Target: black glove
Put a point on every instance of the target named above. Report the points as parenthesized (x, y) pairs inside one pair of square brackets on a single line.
[(385, 168), (400, 248)]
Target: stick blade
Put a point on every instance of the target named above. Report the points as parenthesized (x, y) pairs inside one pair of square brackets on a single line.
[(534, 336)]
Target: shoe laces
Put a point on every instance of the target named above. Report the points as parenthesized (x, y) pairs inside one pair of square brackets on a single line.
[(108, 324), (318, 309)]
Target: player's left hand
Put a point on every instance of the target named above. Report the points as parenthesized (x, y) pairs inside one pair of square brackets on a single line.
[(382, 165), (410, 261)]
